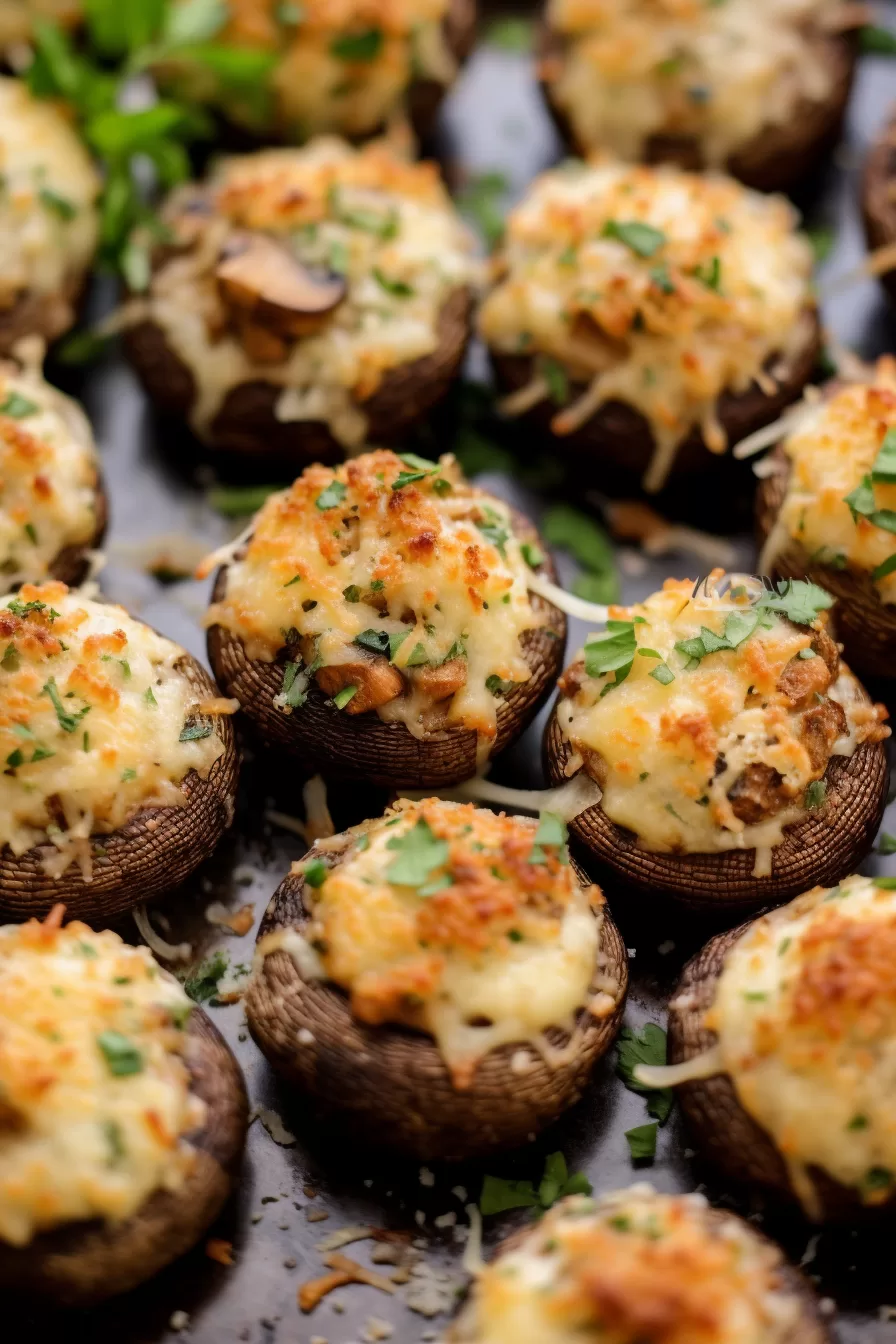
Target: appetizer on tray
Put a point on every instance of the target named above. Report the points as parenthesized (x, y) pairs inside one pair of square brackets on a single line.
[(441, 978)]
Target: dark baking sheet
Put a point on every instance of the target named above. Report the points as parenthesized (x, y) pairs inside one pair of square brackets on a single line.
[(157, 481)]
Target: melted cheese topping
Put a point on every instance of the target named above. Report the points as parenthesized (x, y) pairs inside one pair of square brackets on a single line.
[(17, 17), (679, 754), (805, 1011), (94, 1092), (48, 220), (344, 65), (452, 919), (92, 712), (633, 1267), (831, 453), (434, 566), (48, 475), (386, 224), (716, 73), (661, 289)]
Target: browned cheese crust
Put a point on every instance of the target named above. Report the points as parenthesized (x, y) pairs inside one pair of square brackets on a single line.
[(865, 625), (820, 849), (879, 197), (618, 439), (779, 156), (83, 1263), (389, 1085), (157, 849), (725, 1133), (363, 746)]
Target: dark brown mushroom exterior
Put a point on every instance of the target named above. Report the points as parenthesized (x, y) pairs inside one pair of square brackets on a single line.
[(246, 422), (84, 1263), (388, 1085), (46, 315), (810, 1326), (724, 1132), (363, 746), (775, 159), (151, 854), (823, 847), (878, 199), (865, 625), (72, 564), (425, 96), (617, 440)]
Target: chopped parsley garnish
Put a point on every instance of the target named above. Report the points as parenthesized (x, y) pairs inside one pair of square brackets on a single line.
[(816, 794), (56, 204), (67, 722), (18, 407), (643, 239), (858, 1122), (419, 853), (497, 685), (861, 503), (11, 659), (480, 200), (532, 554), (876, 40), (644, 1046), (499, 1195), (552, 831), (511, 35), (886, 844), (374, 641), (709, 274), (149, 697), (395, 642), (202, 985), (571, 530), (331, 496), (556, 377), (364, 46), (296, 578), (662, 673), (31, 533), (611, 652), (877, 1178), (659, 276), (194, 732), (352, 593), (25, 609), (128, 775), (15, 758), (494, 529), (642, 1142), (797, 599), (399, 289), (418, 656), (294, 691), (345, 696), (315, 873), (885, 883), (121, 1055), (381, 225), (884, 569)]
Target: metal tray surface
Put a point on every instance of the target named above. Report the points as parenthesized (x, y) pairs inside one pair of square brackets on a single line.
[(292, 1196)]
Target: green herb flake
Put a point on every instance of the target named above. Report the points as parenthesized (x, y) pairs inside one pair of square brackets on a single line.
[(345, 696), (67, 722), (532, 554), (195, 732), (399, 289), (858, 1122), (18, 407), (642, 1142), (149, 697), (202, 985), (797, 599), (877, 41), (557, 379), (816, 794), (361, 47), (646, 1045), (419, 853), (331, 496), (643, 239), (315, 873), (128, 775), (121, 1055), (662, 673), (886, 843)]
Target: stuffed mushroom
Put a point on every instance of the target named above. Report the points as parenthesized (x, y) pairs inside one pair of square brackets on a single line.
[(122, 1115), (308, 299), (781, 1036), (120, 765), (442, 978), (382, 622), (826, 510), (351, 68), (648, 317), (638, 1267), (757, 91), (52, 504), (879, 205), (738, 758), (48, 217)]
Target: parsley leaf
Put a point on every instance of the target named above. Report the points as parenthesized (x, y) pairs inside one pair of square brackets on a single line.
[(556, 377), (886, 843), (121, 1055), (479, 199), (331, 496), (18, 407), (569, 529), (643, 239), (374, 641), (67, 722), (797, 599), (419, 853), (202, 985), (884, 467), (611, 652), (876, 40), (861, 500), (494, 529), (194, 732), (315, 873), (361, 47), (647, 1046), (345, 696), (816, 794), (499, 1195), (399, 289), (642, 1142)]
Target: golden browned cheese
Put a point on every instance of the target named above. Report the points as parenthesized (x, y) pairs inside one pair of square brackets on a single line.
[(466, 924), (405, 585), (631, 1267)]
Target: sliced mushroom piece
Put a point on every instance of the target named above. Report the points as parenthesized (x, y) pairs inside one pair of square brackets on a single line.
[(375, 680), (261, 280)]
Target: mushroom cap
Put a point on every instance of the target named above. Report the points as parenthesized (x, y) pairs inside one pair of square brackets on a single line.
[(389, 1085), (82, 1263), (726, 1133), (820, 849), (153, 852), (616, 444), (261, 281), (363, 746), (780, 155), (865, 624)]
